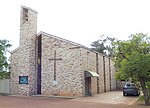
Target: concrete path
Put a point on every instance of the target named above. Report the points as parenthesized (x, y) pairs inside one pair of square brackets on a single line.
[(105, 100), (113, 97)]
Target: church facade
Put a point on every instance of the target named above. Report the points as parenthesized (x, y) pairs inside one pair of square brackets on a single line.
[(49, 65)]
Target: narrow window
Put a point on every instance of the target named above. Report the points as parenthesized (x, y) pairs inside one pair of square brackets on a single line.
[(25, 15), (39, 39), (110, 73), (104, 74), (97, 70)]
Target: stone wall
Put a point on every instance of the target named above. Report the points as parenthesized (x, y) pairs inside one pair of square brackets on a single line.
[(76, 59), (88, 63), (68, 75), (113, 80), (107, 74), (101, 73), (14, 80), (23, 60), (18, 68)]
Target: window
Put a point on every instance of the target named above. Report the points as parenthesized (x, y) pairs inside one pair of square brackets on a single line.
[(23, 79), (25, 15)]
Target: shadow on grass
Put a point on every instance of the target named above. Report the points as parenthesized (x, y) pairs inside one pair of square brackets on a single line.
[(140, 103)]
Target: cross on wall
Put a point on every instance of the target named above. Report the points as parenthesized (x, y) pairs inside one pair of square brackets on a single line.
[(55, 59)]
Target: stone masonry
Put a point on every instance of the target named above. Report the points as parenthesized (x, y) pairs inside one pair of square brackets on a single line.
[(55, 66), (23, 59), (76, 59), (68, 75)]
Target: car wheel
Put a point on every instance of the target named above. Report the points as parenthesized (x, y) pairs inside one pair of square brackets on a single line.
[(124, 94), (138, 94)]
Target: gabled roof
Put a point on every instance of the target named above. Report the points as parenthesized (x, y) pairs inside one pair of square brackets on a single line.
[(65, 40), (13, 51), (61, 39), (29, 9)]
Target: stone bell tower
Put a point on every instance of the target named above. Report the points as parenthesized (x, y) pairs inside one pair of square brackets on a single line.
[(27, 47), (28, 26)]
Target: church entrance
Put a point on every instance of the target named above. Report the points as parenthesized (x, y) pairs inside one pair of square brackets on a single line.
[(88, 86)]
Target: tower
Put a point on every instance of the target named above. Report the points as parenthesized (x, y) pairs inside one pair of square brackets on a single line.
[(28, 26), (27, 51)]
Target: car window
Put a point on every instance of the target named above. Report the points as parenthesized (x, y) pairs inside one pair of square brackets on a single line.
[(130, 84)]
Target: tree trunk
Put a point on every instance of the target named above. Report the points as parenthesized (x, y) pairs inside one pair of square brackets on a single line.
[(145, 91)]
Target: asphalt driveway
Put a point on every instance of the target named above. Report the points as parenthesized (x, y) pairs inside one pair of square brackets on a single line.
[(112, 99)]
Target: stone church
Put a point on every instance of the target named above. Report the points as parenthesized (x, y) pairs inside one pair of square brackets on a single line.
[(49, 65)]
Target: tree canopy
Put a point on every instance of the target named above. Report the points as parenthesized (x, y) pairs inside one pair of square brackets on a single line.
[(104, 45), (133, 60), (4, 65)]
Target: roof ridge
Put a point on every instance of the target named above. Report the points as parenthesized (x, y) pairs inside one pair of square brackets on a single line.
[(74, 43)]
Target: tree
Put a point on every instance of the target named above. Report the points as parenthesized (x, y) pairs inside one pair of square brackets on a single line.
[(104, 45), (133, 60), (4, 46)]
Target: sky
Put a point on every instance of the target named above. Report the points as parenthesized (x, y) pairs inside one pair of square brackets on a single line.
[(80, 21)]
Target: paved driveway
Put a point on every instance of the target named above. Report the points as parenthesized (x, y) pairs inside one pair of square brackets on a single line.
[(112, 99)]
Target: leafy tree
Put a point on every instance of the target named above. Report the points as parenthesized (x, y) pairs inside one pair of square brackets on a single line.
[(133, 60), (4, 75), (104, 45), (4, 45)]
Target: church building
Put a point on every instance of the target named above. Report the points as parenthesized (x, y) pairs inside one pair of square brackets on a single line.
[(49, 65)]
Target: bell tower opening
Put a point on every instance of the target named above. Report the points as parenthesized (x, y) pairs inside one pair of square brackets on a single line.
[(25, 15)]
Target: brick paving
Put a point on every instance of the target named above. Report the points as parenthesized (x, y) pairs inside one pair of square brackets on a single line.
[(105, 100)]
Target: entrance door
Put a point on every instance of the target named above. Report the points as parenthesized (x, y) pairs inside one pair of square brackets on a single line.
[(88, 86)]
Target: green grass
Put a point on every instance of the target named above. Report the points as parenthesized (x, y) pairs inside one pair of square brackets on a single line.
[(141, 98)]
